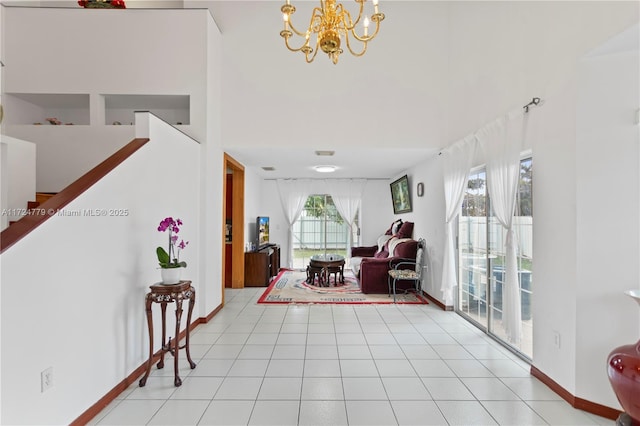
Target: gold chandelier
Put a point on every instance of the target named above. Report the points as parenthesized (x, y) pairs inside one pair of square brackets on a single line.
[(331, 22)]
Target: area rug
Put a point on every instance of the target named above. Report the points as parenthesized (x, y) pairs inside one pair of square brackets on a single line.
[(290, 286)]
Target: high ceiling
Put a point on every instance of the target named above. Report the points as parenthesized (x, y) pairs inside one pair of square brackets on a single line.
[(437, 71)]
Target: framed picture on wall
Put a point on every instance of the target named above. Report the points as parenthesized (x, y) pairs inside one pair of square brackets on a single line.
[(400, 195)]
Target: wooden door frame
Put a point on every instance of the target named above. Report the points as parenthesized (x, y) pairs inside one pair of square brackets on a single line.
[(237, 222)]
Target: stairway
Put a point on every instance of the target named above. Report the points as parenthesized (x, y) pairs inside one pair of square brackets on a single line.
[(41, 197)]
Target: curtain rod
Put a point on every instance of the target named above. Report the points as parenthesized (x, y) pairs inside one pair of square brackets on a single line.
[(534, 102)]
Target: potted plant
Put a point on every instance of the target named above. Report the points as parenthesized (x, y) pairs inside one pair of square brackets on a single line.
[(169, 260)]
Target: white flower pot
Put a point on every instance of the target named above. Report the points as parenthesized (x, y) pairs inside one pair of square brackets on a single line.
[(171, 275)]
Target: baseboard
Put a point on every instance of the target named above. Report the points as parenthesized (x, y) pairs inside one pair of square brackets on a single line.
[(438, 303), (96, 408), (575, 402)]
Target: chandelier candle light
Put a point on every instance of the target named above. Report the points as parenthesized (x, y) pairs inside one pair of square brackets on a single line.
[(331, 22)]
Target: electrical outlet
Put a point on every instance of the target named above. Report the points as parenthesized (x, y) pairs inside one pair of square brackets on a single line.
[(556, 339), (46, 379)]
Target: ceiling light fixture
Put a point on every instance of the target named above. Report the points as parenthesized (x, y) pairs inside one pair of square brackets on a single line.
[(325, 169), (331, 22), (325, 153)]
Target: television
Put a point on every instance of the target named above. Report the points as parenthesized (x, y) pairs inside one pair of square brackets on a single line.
[(262, 232)]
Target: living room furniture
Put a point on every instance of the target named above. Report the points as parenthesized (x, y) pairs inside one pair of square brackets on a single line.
[(261, 265), (371, 264), (408, 271), (163, 294), (322, 266)]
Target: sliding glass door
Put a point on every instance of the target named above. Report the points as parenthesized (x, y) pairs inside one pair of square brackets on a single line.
[(319, 230), (481, 256)]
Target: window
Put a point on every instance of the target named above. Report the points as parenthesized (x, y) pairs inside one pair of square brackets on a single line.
[(319, 230), (481, 249)]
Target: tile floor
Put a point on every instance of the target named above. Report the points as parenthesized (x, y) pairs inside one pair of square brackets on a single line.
[(342, 365)]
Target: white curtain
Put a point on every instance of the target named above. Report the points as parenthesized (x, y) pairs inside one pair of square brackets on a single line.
[(347, 196), (456, 164), (502, 143), (293, 195)]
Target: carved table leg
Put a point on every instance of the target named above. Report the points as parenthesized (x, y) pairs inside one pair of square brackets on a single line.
[(176, 343), (163, 348), (143, 381), (192, 301)]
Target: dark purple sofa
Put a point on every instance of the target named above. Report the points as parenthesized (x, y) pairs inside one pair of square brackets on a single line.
[(375, 264)]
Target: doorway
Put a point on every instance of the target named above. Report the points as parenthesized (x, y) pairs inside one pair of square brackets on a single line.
[(232, 224)]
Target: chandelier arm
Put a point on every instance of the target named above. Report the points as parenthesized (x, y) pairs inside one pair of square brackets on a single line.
[(293, 49), (364, 47), (368, 38), (315, 52), (352, 24)]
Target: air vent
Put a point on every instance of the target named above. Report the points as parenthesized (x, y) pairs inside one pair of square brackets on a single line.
[(269, 168), (325, 153)]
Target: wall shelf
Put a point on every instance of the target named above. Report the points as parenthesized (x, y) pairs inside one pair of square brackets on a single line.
[(174, 109), (32, 108)]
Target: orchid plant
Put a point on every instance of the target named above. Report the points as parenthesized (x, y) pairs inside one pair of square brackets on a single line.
[(171, 258)]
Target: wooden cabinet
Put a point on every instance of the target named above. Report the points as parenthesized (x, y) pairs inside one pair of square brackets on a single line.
[(261, 265)]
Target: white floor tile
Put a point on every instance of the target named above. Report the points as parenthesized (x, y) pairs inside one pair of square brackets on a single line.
[(395, 368), (239, 388), (323, 413), (277, 413), (256, 352), (465, 413), (227, 413), (350, 339), (505, 368), (180, 412), (132, 412), (289, 352), (418, 413), (447, 389), (262, 338), (292, 339), (223, 352), (560, 413), (370, 413), (513, 413), (213, 367), (322, 388), (363, 388), (358, 368), (468, 368), (281, 388), (432, 368), (248, 368), (321, 338), (531, 389), (321, 352), (285, 368), (354, 352), (198, 388), (342, 365), (489, 389), (405, 389)]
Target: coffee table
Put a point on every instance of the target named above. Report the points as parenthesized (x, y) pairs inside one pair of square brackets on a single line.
[(323, 265)]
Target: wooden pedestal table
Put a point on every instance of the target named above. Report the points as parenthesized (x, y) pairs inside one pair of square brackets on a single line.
[(163, 294), (323, 265)]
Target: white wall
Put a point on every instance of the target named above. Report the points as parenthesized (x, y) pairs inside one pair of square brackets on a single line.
[(130, 60), (86, 283), (607, 215), (501, 56), (19, 158), (429, 218)]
